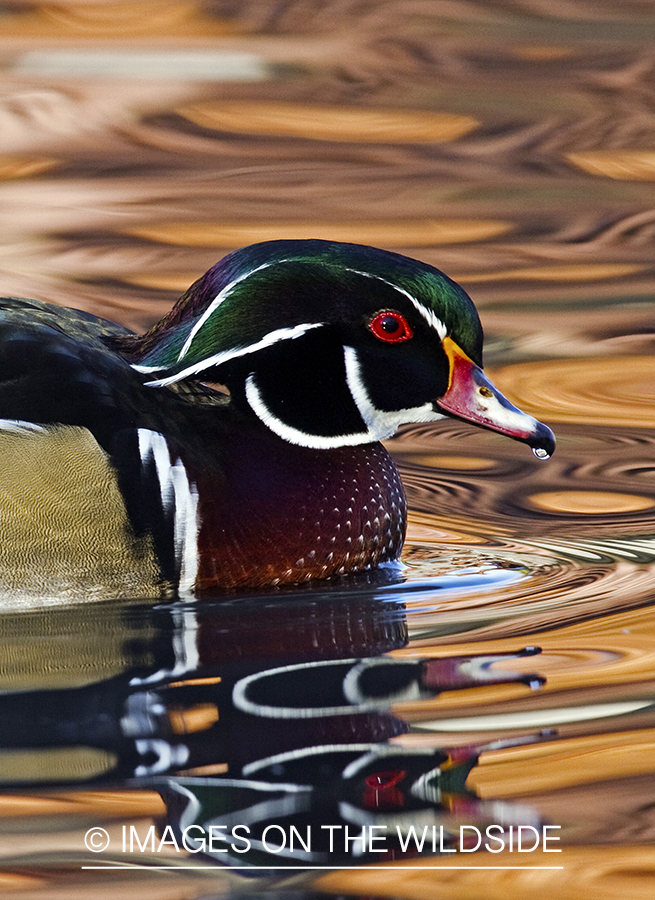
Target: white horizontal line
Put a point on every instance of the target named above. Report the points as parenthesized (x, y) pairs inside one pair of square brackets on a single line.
[(536, 718), (181, 65), (343, 868)]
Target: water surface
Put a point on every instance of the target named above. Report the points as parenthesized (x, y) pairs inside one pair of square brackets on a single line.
[(511, 145)]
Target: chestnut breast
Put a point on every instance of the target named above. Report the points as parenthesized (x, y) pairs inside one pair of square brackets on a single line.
[(283, 514)]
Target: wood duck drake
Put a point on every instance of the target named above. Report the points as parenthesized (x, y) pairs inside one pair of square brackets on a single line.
[(123, 474)]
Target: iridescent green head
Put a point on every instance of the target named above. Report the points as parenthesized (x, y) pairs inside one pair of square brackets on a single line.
[(333, 344)]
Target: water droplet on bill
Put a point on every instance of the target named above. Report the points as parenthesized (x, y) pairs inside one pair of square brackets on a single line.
[(540, 453)]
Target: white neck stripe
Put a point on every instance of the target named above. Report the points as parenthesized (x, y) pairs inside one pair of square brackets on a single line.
[(381, 423)]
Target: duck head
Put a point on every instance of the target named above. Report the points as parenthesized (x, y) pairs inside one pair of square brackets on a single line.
[(333, 345)]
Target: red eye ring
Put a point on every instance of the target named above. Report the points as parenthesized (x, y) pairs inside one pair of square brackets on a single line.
[(391, 327)]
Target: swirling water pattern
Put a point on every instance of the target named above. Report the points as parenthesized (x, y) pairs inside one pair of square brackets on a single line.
[(512, 145)]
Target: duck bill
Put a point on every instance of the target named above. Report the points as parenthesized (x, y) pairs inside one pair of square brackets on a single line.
[(473, 398)]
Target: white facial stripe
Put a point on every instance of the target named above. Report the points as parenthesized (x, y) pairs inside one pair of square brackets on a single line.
[(428, 314), (281, 334), (216, 302), (294, 435), (180, 495), (381, 423), (273, 337)]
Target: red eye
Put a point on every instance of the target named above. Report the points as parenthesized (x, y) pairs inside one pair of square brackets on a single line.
[(391, 327)]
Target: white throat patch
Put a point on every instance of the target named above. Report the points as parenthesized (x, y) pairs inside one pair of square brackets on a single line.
[(295, 435), (380, 424)]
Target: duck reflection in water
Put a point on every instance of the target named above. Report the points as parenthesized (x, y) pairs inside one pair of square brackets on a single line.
[(262, 713)]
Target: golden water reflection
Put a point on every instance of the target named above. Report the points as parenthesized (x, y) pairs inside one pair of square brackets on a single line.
[(330, 123), (400, 233), (631, 165), (509, 145), (590, 502), (605, 391), (602, 872)]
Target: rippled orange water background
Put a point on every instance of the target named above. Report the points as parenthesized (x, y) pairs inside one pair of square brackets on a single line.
[(512, 145)]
